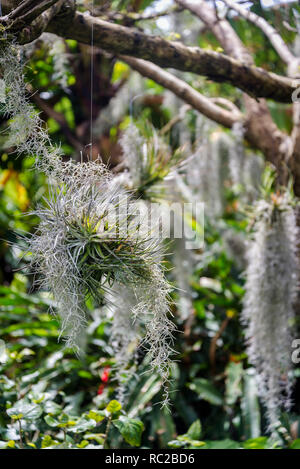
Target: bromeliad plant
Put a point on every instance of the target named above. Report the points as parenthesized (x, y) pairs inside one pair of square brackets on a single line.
[(150, 161), (91, 236), (90, 239)]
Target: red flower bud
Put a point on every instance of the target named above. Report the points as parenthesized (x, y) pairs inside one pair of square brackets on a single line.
[(105, 374), (100, 389)]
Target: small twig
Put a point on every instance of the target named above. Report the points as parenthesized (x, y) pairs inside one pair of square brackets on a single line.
[(107, 431), (180, 116), (213, 344), (60, 119), (20, 431), (133, 17), (226, 103)]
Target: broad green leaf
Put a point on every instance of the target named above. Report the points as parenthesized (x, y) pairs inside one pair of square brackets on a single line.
[(206, 390), (222, 444), (82, 425), (295, 444), (52, 408), (51, 421), (130, 429), (96, 415), (83, 444), (196, 444), (256, 443), (195, 430), (47, 441), (113, 407), (25, 410), (177, 444), (99, 437)]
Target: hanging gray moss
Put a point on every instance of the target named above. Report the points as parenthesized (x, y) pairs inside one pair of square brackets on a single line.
[(271, 290)]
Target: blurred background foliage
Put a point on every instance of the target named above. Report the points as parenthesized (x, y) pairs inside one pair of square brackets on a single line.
[(48, 396)]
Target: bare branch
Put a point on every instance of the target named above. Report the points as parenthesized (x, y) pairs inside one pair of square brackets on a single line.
[(260, 129), (178, 118), (218, 67), (226, 103), (274, 37), (26, 12), (291, 145), (131, 17), (39, 25), (222, 30), (184, 91), (60, 119)]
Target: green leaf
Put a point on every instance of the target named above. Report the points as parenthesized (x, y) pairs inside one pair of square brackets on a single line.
[(196, 444), (113, 407), (47, 441), (256, 443), (24, 410), (222, 444), (82, 425), (195, 430), (130, 429), (96, 415), (51, 421), (82, 444), (206, 390), (177, 444), (295, 444), (52, 408), (98, 437)]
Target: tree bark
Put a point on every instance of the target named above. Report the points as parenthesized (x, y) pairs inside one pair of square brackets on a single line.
[(185, 92), (218, 67), (260, 129)]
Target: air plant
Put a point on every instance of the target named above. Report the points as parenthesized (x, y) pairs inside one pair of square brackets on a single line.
[(90, 239), (271, 290), (150, 161)]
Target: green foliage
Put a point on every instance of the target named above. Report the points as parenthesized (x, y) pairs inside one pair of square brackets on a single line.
[(130, 429), (50, 398)]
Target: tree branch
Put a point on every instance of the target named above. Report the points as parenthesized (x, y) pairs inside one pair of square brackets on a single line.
[(292, 144), (184, 91), (130, 18), (260, 129), (178, 118), (221, 28), (274, 37), (26, 12), (30, 9), (218, 67), (30, 20), (60, 119)]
